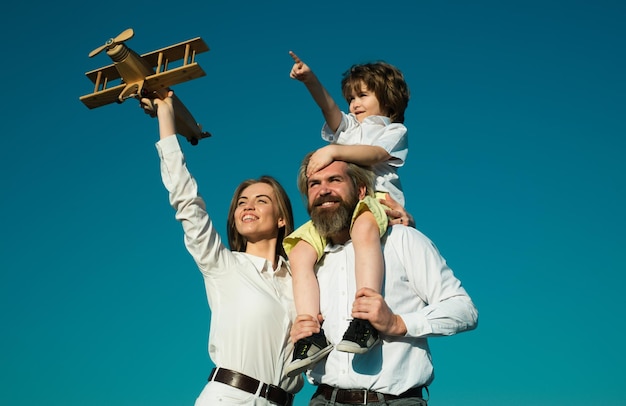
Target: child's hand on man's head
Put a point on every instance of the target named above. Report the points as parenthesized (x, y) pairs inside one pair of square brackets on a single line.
[(319, 160)]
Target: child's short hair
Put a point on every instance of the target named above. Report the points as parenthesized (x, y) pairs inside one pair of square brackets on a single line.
[(387, 83)]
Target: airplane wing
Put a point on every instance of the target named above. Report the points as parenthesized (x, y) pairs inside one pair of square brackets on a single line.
[(102, 97), (175, 52), (181, 54), (173, 76), (170, 54), (152, 83), (108, 72)]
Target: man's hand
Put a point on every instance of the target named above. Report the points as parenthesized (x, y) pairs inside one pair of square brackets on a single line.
[(397, 213), (304, 326), (370, 305)]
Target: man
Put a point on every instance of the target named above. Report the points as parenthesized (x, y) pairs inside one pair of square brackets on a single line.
[(421, 298)]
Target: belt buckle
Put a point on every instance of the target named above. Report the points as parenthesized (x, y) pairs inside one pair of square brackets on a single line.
[(266, 392), (365, 391)]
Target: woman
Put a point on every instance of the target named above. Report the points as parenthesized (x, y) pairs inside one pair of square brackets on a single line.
[(248, 289)]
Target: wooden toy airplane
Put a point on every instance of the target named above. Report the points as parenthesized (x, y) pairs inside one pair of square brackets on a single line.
[(147, 75)]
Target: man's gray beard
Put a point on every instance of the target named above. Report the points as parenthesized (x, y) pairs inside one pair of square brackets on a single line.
[(331, 221)]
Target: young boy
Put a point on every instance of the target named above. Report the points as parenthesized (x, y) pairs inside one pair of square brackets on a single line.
[(372, 135)]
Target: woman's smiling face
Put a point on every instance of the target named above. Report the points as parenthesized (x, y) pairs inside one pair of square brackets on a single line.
[(256, 215)]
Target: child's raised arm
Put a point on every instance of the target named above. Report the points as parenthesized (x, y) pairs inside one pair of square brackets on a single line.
[(301, 71)]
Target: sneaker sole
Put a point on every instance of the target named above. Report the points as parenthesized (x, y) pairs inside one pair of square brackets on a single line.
[(349, 346), (297, 367)]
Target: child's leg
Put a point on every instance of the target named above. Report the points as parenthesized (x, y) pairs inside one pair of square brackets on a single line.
[(368, 254), (309, 350), (367, 228), (306, 292)]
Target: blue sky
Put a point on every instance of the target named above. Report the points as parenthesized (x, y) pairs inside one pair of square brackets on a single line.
[(515, 170)]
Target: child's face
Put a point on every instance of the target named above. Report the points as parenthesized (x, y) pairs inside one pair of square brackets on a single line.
[(364, 104)]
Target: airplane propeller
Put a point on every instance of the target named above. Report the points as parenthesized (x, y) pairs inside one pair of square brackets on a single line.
[(123, 36)]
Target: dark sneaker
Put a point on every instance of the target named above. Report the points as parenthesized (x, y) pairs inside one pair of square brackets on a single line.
[(307, 352), (359, 338)]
